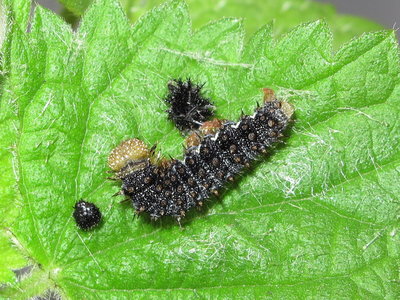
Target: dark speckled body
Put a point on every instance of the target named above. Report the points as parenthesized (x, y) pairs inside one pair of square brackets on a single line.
[(173, 188)]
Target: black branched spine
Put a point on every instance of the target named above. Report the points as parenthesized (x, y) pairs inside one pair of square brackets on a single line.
[(173, 187), (188, 107)]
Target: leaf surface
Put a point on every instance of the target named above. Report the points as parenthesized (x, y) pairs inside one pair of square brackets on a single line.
[(317, 218), (11, 41)]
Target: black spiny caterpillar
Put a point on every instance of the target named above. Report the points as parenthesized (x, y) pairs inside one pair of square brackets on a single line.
[(188, 107), (215, 155)]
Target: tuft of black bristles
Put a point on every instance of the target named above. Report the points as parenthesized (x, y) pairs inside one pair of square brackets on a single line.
[(86, 215), (188, 107)]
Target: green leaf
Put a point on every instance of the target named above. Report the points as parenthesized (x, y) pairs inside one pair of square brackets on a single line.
[(76, 6), (20, 11), (12, 259), (3, 24), (10, 202), (285, 13), (318, 218)]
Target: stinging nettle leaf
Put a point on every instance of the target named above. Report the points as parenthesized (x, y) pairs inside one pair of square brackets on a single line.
[(285, 13), (12, 257), (317, 218)]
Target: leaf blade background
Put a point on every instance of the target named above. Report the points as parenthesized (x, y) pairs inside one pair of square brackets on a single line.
[(289, 223)]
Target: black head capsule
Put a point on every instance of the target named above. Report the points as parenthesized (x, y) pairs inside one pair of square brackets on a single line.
[(86, 215)]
